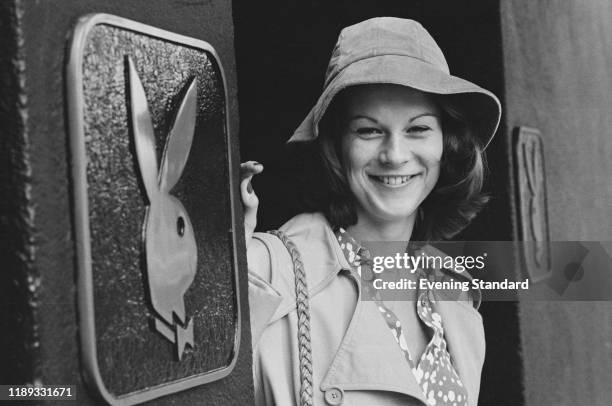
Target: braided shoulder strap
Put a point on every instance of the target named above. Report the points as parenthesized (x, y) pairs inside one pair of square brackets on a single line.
[(303, 313)]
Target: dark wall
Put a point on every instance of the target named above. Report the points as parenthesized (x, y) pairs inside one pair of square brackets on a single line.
[(282, 51), (41, 275), (558, 63), (18, 343)]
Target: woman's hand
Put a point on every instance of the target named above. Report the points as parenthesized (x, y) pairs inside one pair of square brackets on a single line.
[(250, 202)]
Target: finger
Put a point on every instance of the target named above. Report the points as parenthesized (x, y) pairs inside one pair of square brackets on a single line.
[(249, 198), (250, 168)]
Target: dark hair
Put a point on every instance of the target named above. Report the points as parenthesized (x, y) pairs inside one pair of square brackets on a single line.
[(451, 205)]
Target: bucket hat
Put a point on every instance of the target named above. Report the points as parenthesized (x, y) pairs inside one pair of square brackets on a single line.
[(398, 51)]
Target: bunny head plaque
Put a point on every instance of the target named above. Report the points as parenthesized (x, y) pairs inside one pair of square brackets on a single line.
[(155, 210), (169, 241)]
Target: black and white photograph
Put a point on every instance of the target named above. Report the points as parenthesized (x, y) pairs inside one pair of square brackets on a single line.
[(306, 203)]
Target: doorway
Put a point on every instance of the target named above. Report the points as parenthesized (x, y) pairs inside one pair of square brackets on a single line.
[(282, 51)]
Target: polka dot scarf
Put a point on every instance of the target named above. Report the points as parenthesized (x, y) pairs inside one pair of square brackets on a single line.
[(434, 372)]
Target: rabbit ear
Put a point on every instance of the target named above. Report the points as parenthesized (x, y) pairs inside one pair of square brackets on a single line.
[(144, 137), (179, 139)]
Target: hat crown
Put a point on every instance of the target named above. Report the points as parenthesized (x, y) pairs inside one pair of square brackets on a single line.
[(384, 36), (389, 50)]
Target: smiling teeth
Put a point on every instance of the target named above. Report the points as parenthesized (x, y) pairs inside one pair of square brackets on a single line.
[(393, 180)]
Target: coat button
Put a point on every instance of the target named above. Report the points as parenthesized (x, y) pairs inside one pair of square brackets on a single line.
[(334, 396)]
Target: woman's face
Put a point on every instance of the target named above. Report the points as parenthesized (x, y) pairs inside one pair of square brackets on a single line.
[(391, 149)]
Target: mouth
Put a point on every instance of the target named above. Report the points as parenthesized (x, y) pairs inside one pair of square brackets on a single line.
[(393, 180)]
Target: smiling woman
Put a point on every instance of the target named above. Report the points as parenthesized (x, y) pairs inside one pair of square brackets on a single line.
[(402, 142)]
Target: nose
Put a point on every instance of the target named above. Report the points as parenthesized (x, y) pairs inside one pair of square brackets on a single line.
[(393, 152)]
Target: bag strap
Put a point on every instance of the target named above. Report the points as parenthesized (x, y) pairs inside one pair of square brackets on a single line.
[(303, 313)]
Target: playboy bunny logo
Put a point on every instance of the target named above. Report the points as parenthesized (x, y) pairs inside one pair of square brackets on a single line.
[(169, 241)]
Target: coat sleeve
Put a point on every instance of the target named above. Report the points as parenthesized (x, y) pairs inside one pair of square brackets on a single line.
[(263, 298)]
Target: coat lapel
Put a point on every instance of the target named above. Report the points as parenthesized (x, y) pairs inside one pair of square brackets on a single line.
[(370, 359)]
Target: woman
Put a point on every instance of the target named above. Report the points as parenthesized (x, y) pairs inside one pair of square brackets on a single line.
[(402, 144)]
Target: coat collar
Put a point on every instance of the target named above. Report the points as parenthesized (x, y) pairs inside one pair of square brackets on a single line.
[(326, 260), (320, 253)]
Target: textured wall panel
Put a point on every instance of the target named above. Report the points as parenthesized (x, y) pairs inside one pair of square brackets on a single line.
[(43, 336), (558, 68)]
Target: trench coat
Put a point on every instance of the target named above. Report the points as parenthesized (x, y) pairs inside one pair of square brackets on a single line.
[(356, 360)]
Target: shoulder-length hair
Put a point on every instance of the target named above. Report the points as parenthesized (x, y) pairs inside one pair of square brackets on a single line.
[(457, 196)]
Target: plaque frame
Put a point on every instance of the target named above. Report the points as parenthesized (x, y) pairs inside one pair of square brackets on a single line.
[(85, 300)]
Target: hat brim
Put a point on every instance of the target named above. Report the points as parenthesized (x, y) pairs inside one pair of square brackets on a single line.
[(481, 107)]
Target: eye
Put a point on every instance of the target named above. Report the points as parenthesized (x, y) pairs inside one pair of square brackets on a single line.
[(368, 132), (180, 226), (418, 129)]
